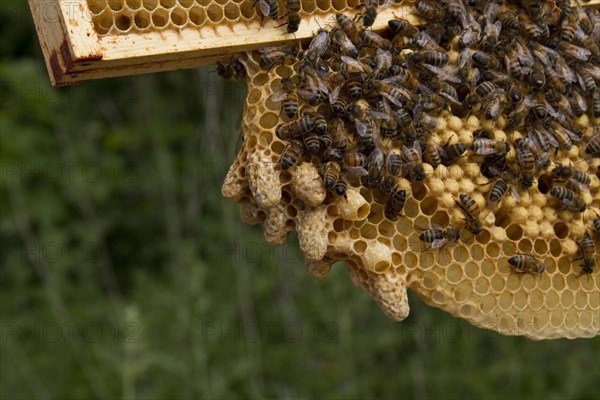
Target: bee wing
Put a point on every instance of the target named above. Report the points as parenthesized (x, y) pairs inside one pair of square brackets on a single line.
[(278, 95), (515, 193), (572, 134), (447, 73), (493, 29), (465, 57), (360, 171), (576, 52), (580, 186), (581, 102), (483, 146), (544, 54), (593, 70), (334, 94), (565, 71), (352, 62), (361, 128), (450, 99), (550, 137), (438, 243), (418, 150), (394, 100), (265, 8), (377, 114)]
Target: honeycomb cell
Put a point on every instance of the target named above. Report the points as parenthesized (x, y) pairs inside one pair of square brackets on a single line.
[(525, 246), (142, 20), (168, 4), (561, 230), (514, 232), (150, 5), (477, 252), (96, 6), (454, 273), (493, 250), (179, 16), (428, 206), (123, 21), (323, 5), (115, 5), (160, 18)]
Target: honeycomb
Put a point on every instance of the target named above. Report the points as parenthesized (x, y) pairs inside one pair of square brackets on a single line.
[(470, 278), (113, 17)]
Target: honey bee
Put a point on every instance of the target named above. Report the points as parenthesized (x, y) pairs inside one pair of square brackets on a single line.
[(312, 142), (439, 237), (293, 14), (369, 12), (331, 174), (515, 93), (339, 37), (561, 137), (526, 263), (414, 157), (493, 108), (288, 96), (569, 199), (578, 178), (526, 160), (292, 155), (508, 18), (320, 122), (433, 153), (593, 146), (537, 78), (471, 211), (493, 166), (341, 187), (588, 252), (354, 86), (568, 28), (233, 70), (317, 47), (403, 27), (393, 163), (490, 39), (372, 39), (268, 8), (355, 162), (468, 36), (586, 80), (452, 152), (349, 27), (430, 9), (497, 192), (483, 147), (596, 227), (435, 58), (596, 104), (295, 128), (338, 134), (395, 204), (272, 55), (572, 51), (530, 29), (512, 64), (392, 93), (375, 163)]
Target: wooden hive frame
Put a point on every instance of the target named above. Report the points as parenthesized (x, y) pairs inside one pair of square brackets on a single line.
[(74, 51)]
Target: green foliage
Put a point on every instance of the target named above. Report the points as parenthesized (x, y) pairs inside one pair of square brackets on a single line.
[(124, 273)]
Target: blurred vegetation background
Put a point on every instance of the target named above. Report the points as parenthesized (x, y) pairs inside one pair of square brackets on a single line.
[(125, 274)]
